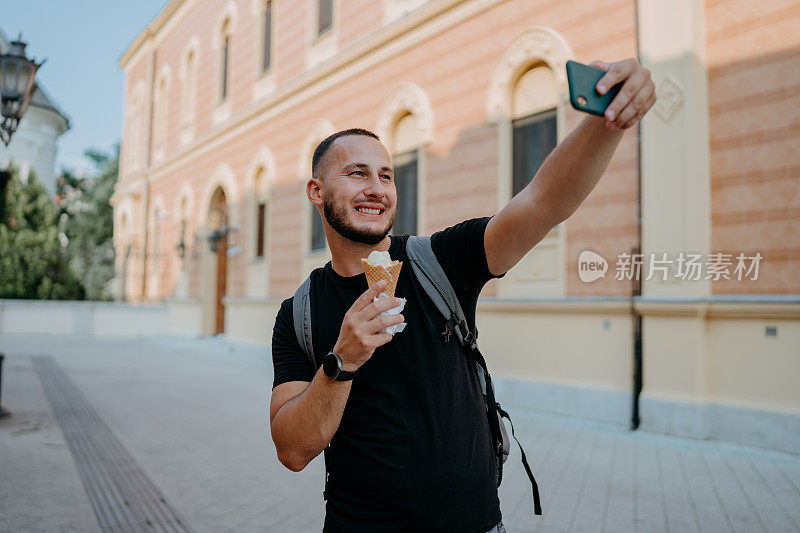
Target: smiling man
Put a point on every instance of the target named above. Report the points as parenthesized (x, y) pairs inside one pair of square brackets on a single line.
[(402, 416)]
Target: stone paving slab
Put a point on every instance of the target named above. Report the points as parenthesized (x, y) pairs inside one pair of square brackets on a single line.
[(193, 414)]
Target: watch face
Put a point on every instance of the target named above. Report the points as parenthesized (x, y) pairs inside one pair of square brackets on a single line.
[(330, 365)]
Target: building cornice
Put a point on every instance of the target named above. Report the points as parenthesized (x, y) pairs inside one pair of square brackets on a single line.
[(150, 30), (422, 24), (770, 307)]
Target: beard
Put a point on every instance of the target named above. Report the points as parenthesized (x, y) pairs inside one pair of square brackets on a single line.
[(336, 215)]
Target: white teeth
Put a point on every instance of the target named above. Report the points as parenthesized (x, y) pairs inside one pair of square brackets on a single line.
[(368, 211)]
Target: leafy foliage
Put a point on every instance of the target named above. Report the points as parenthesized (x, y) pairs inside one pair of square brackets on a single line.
[(32, 260), (87, 223)]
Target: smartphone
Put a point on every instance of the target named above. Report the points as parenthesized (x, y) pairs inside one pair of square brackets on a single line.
[(582, 93)]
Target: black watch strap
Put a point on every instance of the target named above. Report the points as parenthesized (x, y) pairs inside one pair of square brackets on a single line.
[(332, 367)]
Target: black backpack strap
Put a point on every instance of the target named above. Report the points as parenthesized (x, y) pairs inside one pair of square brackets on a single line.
[(434, 281), (301, 313), (537, 504), (437, 285)]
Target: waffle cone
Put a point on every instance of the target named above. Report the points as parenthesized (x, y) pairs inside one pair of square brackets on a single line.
[(390, 275)]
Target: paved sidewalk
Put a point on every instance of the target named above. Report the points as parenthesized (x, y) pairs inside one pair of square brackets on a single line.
[(192, 415)]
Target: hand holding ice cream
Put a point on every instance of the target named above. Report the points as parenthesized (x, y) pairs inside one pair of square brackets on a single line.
[(377, 266)]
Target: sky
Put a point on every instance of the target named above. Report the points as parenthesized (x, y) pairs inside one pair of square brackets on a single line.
[(82, 41)]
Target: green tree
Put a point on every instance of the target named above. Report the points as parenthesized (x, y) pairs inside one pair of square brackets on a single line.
[(87, 223), (32, 260)]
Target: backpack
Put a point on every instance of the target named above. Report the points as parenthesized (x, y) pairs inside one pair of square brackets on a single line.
[(434, 281)]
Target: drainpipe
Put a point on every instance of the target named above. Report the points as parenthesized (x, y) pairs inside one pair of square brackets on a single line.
[(636, 281)]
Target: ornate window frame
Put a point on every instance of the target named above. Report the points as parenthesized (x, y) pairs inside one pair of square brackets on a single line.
[(133, 145), (161, 113), (222, 108), (264, 78), (408, 98), (542, 272), (319, 130), (396, 9), (320, 46), (263, 165), (188, 111)]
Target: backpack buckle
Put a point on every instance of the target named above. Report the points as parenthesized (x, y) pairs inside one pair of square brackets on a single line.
[(450, 326), (468, 339)]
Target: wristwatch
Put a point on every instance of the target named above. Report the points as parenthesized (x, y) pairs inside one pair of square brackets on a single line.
[(332, 366)]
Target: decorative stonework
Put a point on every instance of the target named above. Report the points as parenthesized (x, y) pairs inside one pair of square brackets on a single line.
[(221, 177), (395, 9), (230, 14), (535, 44), (188, 100), (193, 47), (265, 161), (186, 193), (323, 46), (670, 97), (407, 97), (123, 211), (319, 130), (161, 111)]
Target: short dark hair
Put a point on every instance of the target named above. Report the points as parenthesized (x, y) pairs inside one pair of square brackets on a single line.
[(323, 147)]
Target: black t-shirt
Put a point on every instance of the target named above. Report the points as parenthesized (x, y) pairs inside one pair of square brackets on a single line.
[(412, 451)]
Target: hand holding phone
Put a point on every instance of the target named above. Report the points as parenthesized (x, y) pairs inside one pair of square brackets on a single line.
[(583, 95), (630, 95)]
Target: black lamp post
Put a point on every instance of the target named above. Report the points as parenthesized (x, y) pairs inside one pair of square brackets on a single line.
[(17, 73)]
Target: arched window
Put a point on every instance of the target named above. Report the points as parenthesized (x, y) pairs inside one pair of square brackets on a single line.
[(224, 59), (182, 241), (534, 103), (133, 148), (405, 145), (266, 40), (260, 215), (527, 97), (322, 31), (161, 116), (189, 93), (318, 131), (405, 125), (131, 145)]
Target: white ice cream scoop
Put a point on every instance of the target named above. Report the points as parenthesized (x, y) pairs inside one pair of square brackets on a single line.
[(377, 258)]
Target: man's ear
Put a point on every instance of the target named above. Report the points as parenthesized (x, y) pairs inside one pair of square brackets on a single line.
[(314, 191)]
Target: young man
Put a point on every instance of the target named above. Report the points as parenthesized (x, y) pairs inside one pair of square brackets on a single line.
[(409, 439)]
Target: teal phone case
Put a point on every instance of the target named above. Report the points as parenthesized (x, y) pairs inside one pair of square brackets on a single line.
[(582, 94)]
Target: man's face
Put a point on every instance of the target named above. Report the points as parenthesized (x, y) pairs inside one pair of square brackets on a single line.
[(357, 189)]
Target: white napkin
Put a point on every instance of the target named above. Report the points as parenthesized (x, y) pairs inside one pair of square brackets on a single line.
[(397, 328)]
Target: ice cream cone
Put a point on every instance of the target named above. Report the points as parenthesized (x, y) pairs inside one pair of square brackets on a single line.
[(390, 275)]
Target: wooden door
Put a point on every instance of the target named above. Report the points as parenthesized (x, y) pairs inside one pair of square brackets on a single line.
[(222, 269)]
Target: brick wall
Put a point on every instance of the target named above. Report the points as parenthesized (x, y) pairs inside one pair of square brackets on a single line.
[(753, 52)]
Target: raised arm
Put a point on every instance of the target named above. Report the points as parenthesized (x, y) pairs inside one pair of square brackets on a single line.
[(305, 416), (571, 171)]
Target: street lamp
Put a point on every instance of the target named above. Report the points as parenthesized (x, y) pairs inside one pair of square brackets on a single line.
[(16, 87), (215, 236)]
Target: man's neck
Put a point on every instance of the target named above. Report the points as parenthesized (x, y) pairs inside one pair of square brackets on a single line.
[(346, 255)]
